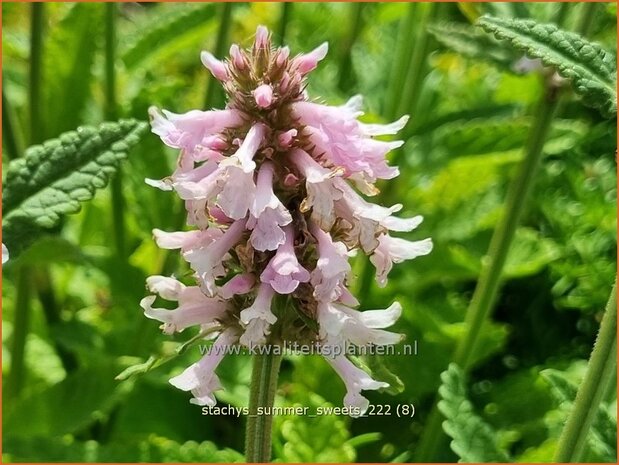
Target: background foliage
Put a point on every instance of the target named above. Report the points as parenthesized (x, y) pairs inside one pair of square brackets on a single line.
[(71, 321)]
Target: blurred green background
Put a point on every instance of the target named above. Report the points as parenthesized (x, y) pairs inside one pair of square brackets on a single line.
[(77, 289)]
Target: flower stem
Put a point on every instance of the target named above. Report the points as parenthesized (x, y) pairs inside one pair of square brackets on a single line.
[(599, 373), (262, 395), (492, 265), (20, 332), (10, 134), (347, 78), (213, 90)]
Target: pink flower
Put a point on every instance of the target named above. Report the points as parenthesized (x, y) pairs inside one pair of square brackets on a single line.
[(332, 267), (194, 308), (267, 214), (200, 378), (239, 188), (356, 380), (263, 95), (284, 272), (308, 62), (238, 285), (341, 324), (321, 190), (392, 250), (258, 318), (346, 142), (188, 130), (216, 67), (206, 258)]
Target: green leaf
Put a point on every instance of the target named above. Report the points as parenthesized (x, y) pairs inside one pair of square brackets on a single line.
[(469, 42), (55, 177), (70, 51), (591, 69), (320, 438), (473, 439), (164, 29), (69, 406), (154, 449)]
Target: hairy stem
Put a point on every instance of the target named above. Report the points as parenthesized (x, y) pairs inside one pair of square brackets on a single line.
[(600, 370), (213, 90), (493, 263), (262, 396)]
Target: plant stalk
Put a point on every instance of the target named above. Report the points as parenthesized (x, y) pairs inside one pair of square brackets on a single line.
[(20, 332), (10, 136), (111, 113), (347, 78), (493, 263), (37, 15), (602, 365), (213, 90), (283, 22), (262, 396)]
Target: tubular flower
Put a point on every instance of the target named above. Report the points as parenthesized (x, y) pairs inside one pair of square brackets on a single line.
[(273, 183)]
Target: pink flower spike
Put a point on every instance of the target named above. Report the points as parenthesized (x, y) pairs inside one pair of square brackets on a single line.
[(240, 284), (200, 378), (356, 380), (215, 66), (284, 272), (258, 318), (308, 62), (206, 260), (263, 95), (392, 250)]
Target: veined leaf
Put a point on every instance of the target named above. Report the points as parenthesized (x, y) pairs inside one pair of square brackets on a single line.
[(53, 178), (591, 69), (473, 439), (467, 41)]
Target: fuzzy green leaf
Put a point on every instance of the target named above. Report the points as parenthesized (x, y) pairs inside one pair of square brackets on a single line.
[(52, 179), (473, 439), (590, 68)]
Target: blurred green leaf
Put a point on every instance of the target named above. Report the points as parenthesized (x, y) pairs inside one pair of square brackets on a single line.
[(473, 439)]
